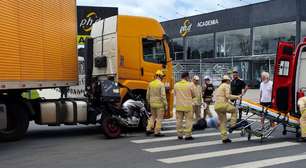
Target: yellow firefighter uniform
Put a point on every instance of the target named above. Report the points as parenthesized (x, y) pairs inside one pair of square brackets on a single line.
[(197, 101), (222, 106), (184, 98), (156, 96), (302, 106)]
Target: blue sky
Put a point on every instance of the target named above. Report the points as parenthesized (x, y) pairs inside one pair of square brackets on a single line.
[(167, 9)]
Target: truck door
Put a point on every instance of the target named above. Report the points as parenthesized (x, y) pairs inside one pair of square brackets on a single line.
[(283, 89), (153, 57)]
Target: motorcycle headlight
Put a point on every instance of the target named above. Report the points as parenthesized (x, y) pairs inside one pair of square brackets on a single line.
[(116, 91)]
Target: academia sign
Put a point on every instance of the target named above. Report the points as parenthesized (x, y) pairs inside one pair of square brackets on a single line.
[(207, 23), (187, 25)]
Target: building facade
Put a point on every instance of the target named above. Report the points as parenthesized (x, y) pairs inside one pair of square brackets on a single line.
[(243, 38)]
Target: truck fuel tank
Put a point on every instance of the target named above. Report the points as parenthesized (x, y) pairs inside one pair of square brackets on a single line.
[(3, 117), (62, 112), (76, 112)]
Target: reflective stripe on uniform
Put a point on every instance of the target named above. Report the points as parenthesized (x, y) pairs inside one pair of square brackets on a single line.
[(197, 89), (156, 94), (183, 94)]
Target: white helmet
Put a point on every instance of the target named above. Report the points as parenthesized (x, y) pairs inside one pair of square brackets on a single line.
[(196, 77), (207, 77)]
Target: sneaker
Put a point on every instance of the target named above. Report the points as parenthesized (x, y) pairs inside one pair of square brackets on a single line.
[(159, 135), (148, 133), (189, 138), (180, 137), (227, 141), (301, 140)]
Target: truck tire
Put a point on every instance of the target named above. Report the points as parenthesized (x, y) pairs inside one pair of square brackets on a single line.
[(18, 123), (111, 127)]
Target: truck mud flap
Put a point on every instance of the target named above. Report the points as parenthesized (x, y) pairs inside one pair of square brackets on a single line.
[(3, 117)]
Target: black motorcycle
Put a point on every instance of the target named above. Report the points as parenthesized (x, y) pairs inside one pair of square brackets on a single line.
[(132, 114)]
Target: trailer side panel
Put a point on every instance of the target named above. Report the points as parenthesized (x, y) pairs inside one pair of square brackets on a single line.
[(38, 44)]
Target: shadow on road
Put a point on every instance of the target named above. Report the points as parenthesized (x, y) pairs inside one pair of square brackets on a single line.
[(62, 132)]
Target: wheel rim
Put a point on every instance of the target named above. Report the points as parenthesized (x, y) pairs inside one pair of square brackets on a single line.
[(112, 127)]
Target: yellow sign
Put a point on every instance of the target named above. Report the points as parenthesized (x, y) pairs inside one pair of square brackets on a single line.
[(81, 39), (186, 28), (88, 21)]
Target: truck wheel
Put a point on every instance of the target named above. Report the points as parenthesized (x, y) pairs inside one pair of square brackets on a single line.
[(17, 124), (111, 127)]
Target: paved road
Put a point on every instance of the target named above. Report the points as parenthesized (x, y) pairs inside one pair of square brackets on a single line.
[(81, 147), (85, 147)]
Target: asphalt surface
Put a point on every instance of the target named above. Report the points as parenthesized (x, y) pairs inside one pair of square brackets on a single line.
[(86, 147)]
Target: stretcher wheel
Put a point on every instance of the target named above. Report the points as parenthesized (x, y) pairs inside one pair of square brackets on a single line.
[(242, 133)]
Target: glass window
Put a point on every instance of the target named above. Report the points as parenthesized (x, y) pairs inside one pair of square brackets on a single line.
[(233, 43), (283, 68), (267, 37), (303, 30), (200, 46), (153, 51), (81, 67), (177, 47)]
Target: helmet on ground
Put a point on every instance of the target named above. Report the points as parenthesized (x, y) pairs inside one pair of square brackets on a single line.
[(160, 73)]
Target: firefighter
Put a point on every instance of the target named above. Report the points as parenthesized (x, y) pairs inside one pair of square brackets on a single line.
[(208, 95), (156, 96), (223, 106), (302, 106), (197, 100), (184, 95)]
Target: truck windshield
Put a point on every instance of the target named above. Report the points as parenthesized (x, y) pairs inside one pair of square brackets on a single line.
[(154, 51)]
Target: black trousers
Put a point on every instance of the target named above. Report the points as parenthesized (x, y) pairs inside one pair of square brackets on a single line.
[(266, 104)]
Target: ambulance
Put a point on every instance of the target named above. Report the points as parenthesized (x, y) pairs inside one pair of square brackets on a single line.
[(289, 84)]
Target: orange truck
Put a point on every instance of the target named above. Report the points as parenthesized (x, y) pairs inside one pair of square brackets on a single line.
[(40, 51)]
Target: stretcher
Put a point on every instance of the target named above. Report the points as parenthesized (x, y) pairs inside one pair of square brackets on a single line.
[(260, 121)]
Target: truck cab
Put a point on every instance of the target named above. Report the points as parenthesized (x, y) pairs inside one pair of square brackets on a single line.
[(130, 50)]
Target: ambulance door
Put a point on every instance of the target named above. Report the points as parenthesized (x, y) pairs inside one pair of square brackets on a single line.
[(300, 81), (283, 87)]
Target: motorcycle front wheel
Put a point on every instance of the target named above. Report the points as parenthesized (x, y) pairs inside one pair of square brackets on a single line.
[(111, 127)]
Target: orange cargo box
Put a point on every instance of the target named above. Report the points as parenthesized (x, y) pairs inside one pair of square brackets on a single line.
[(38, 44)]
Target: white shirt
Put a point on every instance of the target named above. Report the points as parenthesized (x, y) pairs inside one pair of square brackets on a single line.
[(266, 91)]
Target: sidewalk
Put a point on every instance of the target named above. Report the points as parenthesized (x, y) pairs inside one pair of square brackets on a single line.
[(252, 94)]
